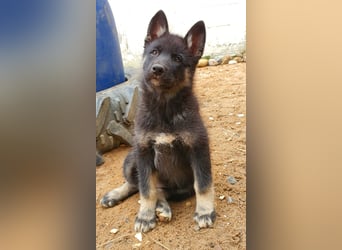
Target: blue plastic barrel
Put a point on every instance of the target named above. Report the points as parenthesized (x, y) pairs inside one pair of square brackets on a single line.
[(109, 67)]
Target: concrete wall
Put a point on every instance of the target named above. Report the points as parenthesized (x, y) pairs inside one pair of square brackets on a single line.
[(225, 22)]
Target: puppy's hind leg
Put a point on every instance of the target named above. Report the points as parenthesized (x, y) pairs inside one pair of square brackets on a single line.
[(119, 194), (129, 188)]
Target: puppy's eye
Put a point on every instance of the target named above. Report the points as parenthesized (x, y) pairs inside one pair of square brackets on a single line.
[(154, 52), (178, 58)]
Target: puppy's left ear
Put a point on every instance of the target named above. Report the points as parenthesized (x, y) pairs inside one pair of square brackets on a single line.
[(195, 39)]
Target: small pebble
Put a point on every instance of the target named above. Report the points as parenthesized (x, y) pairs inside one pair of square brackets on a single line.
[(231, 180), (221, 197), (229, 199), (136, 245), (213, 62), (114, 230), (188, 204), (237, 123), (202, 62), (211, 118), (225, 59), (218, 59), (240, 115), (232, 62), (238, 59), (138, 236)]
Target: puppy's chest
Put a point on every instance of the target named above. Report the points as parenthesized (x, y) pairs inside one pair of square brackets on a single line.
[(164, 140), (170, 151), (162, 128)]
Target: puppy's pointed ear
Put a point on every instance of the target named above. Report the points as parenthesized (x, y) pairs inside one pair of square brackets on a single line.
[(195, 39), (158, 26)]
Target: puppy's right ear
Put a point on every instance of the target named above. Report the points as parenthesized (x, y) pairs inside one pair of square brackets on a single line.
[(158, 26)]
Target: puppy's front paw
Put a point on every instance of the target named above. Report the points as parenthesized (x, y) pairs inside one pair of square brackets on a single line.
[(145, 221), (205, 220), (144, 224)]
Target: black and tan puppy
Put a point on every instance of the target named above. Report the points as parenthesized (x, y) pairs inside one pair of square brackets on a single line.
[(170, 158)]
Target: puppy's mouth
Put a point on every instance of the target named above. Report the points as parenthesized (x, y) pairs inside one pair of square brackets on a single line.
[(159, 81)]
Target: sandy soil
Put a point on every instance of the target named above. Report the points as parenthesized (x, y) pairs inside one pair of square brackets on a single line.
[(221, 91)]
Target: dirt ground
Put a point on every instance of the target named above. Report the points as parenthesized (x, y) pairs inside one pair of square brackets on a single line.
[(221, 91)]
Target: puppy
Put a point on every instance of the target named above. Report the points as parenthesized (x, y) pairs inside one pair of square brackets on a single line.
[(170, 158)]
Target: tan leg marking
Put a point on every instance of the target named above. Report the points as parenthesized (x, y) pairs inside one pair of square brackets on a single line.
[(205, 211), (146, 219)]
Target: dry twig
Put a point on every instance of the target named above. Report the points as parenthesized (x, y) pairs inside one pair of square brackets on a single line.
[(157, 242), (113, 240)]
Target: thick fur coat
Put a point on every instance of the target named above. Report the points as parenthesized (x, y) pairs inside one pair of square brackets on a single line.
[(170, 158)]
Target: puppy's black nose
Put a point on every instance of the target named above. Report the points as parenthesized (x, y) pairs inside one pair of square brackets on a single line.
[(158, 69)]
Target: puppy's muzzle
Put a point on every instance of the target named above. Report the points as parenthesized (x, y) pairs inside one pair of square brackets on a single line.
[(158, 69)]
